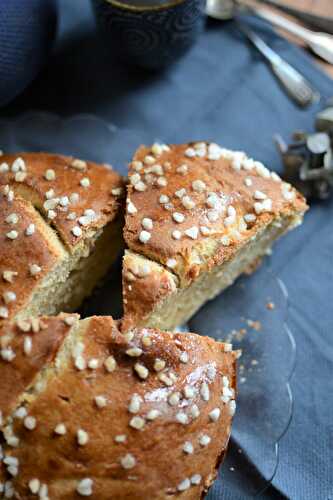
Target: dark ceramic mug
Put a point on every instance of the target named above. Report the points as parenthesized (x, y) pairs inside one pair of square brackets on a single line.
[(149, 33)]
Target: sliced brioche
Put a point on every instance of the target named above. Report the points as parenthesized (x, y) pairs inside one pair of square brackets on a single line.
[(139, 415), (200, 215), (59, 218)]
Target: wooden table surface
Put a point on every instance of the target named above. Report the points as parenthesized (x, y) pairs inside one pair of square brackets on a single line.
[(321, 7)]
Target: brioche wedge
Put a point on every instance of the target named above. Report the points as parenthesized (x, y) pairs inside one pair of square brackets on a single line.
[(197, 217), (60, 231)]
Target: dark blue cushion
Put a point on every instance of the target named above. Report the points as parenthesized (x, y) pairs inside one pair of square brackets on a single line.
[(27, 31)]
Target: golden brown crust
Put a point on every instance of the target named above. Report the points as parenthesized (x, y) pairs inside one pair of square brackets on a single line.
[(25, 349), (173, 418), (145, 284), (66, 176), (208, 190)]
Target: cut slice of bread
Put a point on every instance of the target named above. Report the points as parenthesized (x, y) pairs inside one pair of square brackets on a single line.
[(145, 414), (59, 218), (199, 216)]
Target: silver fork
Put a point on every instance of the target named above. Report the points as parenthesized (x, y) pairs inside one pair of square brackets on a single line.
[(297, 87)]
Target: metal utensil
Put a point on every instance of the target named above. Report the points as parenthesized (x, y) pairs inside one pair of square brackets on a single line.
[(321, 44), (297, 87), (314, 20), (226, 8)]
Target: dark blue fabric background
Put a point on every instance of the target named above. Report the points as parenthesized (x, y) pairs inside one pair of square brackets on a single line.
[(27, 31), (222, 91)]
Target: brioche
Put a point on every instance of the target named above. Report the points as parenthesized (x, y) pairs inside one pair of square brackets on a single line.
[(59, 218), (90, 411), (197, 216)]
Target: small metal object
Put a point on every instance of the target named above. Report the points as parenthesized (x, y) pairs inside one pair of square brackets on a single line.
[(223, 9), (324, 23), (308, 161), (318, 143), (324, 119), (297, 87)]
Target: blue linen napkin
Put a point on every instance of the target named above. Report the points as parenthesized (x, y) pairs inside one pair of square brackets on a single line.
[(222, 91), (27, 32)]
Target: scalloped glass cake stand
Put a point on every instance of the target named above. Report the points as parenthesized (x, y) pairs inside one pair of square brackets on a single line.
[(252, 313)]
